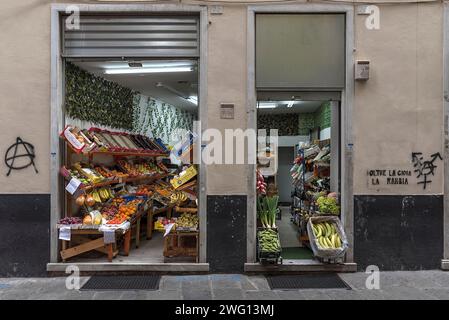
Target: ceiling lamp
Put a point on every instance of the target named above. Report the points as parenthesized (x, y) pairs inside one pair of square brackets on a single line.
[(147, 70), (266, 105)]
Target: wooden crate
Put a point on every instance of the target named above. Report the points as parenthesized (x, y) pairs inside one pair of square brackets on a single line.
[(176, 244)]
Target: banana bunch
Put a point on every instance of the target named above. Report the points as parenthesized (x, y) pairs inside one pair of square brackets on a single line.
[(178, 197), (96, 196), (142, 168), (327, 235), (105, 194), (187, 221)]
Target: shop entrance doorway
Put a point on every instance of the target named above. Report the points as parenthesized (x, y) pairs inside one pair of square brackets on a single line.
[(308, 169), (302, 55), (127, 90)]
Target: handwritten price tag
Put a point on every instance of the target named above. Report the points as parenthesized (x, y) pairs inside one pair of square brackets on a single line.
[(65, 233), (73, 186)]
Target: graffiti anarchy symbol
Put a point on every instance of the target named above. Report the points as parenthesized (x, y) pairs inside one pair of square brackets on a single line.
[(20, 149)]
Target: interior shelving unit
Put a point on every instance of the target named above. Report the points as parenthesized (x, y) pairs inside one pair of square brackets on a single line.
[(302, 204)]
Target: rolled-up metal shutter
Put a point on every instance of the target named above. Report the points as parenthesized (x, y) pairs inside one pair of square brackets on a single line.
[(132, 36)]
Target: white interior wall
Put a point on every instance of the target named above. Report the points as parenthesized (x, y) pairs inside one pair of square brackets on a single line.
[(290, 141), (325, 134)]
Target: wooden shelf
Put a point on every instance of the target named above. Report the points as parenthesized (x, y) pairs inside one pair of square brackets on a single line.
[(122, 180), (129, 153), (322, 164)]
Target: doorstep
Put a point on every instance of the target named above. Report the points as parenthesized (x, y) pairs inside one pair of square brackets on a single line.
[(130, 267), (300, 266), (445, 264)]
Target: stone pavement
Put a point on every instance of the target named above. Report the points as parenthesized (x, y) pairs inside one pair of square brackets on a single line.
[(426, 285)]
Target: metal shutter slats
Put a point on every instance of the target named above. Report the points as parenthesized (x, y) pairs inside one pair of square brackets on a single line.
[(128, 36), (136, 36), (131, 43), (139, 28), (138, 20)]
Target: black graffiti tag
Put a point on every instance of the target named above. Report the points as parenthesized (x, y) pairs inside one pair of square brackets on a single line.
[(424, 168), (12, 154)]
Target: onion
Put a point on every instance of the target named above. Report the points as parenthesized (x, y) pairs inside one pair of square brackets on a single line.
[(87, 219), (80, 200), (90, 201)]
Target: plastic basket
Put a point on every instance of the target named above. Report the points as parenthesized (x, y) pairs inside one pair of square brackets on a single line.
[(327, 253)]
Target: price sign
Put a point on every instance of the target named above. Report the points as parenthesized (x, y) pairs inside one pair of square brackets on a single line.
[(73, 186), (65, 233)]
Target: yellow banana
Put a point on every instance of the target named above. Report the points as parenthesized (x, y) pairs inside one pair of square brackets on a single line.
[(333, 240), (331, 245), (322, 242), (338, 241), (328, 243), (334, 229), (315, 231), (328, 229), (319, 231)]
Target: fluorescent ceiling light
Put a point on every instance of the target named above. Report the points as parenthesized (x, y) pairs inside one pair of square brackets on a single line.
[(167, 64), (267, 105), (147, 70), (193, 99)]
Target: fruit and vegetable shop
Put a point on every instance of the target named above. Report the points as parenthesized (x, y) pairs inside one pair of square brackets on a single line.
[(133, 117), (128, 143), (131, 187)]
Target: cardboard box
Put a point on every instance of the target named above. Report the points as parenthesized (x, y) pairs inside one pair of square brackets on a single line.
[(183, 177)]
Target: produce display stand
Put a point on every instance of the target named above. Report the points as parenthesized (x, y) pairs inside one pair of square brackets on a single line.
[(82, 235), (79, 245), (303, 207), (186, 210), (135, 227), (174, 244), (122, 174)]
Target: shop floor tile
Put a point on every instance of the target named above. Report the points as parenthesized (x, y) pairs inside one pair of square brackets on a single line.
[(307, 281), (122, 283)]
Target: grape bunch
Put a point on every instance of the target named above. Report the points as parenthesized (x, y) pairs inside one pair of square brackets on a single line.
[(71, 220), (109, 212)]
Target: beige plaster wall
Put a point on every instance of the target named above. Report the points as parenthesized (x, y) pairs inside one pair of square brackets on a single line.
[(227, 84), (25, 90), (400, 109)]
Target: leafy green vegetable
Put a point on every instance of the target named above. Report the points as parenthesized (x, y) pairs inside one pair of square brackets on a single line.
[(328, 205), (269, 241), (267, 209)]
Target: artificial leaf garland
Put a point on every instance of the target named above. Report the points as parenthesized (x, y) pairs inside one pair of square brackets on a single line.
[(97, 100), (94, 99)]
